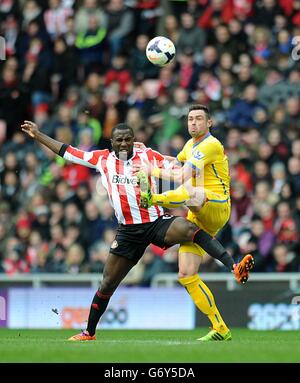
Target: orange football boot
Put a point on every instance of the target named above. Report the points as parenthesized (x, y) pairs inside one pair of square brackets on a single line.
[(84, 335), (241, 269)]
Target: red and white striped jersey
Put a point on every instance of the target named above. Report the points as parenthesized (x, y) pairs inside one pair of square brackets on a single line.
[(120, 184)]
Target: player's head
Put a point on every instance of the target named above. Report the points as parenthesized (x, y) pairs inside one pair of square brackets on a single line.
[(198, 120), (122, 139)]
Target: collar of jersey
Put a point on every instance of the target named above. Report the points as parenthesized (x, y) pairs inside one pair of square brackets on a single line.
[(202, 139), (128, 159)]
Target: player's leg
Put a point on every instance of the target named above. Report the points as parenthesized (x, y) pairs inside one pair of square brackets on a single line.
[(181, 231), (212, 216), (202, 296), (115, 270)]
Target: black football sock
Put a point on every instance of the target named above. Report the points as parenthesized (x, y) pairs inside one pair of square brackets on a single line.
[(213, 247), (97, 309)]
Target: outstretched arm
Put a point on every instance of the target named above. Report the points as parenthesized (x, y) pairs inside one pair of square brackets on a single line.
[(89, 159), (32, 130)]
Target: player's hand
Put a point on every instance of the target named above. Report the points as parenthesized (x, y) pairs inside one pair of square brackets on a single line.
[(30, 128), (139, 145)]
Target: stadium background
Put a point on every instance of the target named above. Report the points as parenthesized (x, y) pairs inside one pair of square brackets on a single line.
[(77, 68)]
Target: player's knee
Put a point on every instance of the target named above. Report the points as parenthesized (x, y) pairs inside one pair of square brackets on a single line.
[(108, 286), (180, 231), (191, 228), (186, 230), (185, 274)]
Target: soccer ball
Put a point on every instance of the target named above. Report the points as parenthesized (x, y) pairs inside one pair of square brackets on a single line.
[(160, 51)]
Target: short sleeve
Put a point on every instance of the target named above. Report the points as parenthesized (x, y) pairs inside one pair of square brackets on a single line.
[(181, 157)]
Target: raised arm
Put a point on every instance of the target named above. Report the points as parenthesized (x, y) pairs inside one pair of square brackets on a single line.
[(89, 159), (32, 130)]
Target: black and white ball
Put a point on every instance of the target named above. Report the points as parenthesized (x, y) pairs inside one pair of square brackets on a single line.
[(160, 51)]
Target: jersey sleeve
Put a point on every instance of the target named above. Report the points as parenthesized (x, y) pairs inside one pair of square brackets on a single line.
[(181, 157), (89, 159), (204, 154)]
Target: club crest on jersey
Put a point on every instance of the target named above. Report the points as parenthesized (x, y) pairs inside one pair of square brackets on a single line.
[(115, 244), (198, 155), (123, 180)]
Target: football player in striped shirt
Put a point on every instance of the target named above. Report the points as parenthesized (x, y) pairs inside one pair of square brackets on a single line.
[(138, 227)]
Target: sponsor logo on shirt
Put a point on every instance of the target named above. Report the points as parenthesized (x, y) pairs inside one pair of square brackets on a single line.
[(124, 180), (198, 155)]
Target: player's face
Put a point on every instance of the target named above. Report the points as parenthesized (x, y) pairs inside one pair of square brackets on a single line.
[(198, 124), (122, 143)]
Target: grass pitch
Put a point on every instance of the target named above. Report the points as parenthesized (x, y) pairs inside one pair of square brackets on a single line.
[(138, 346)]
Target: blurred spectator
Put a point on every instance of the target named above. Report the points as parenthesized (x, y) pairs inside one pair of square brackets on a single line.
[(279, 177), (41, 221), (188, 68), (147, 16), (91, 45), (98, 255), (12, 100), (170, 28), (216, 12), (259, 242), (119, 73), (14, 262), (64, 71), (190, 36), (285, 226), (36, 251), (242, 209), (88, 8), (224, 42), (283, 260), (263, 195), (294, 173), (32, 12), (72, 235), (242, 113), (120, 22), (261, 172), (265, 12), (141, 67), (74, 259), (153, 265), (55, 18), (94, 226), (296, 148)]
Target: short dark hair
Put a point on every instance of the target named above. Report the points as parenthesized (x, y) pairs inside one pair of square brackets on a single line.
[(122, 126), (200, 107)]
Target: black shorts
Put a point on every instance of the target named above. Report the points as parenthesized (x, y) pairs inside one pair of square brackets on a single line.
[(132, 240)]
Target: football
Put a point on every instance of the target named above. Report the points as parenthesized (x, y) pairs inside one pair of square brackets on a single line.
[(160, 51)]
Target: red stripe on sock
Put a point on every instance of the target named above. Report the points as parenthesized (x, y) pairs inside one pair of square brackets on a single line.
[(103, 296), (95, 306)]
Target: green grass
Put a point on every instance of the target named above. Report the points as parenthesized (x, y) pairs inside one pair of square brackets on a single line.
[(115, 346)]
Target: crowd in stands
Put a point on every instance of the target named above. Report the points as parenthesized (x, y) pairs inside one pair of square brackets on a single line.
[(77, 68)]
